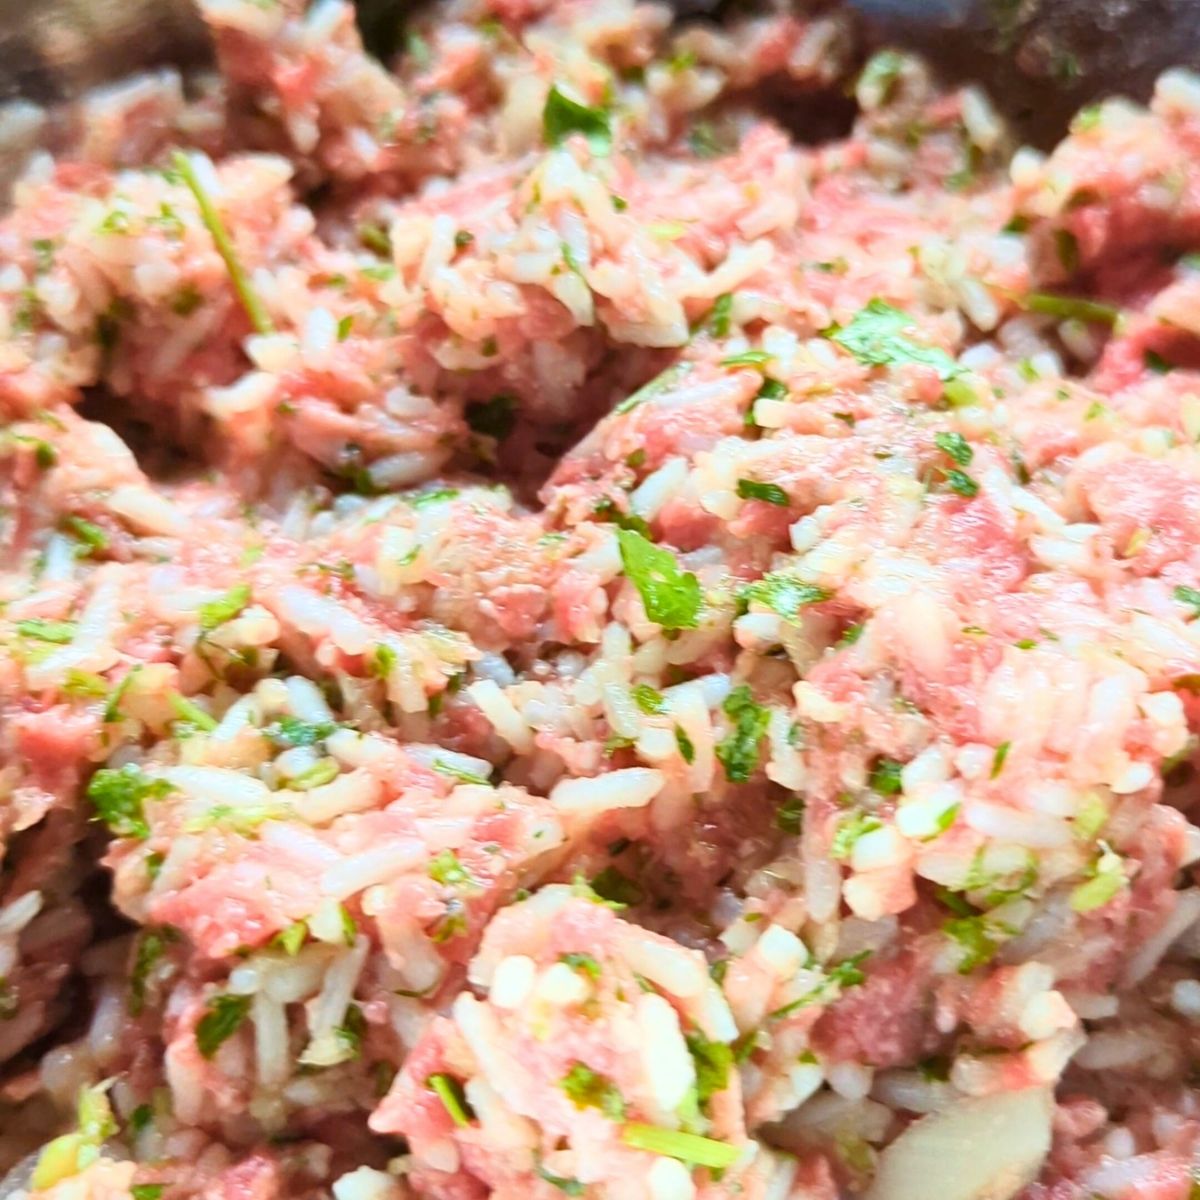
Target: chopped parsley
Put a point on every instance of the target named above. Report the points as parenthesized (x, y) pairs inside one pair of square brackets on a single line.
[(739, 751), (589, 1089), (448, 871), (1106, 877), (151, 946), (771, 493), (190, 717), (1189, 596), (720, 315), (649, 700), (569, 1187), (956, 446), (976, 938), (877, 337), (58, 632), (670, 595), (92, 537), (999, 758), (290, 940), (607, 510), (713, 1061), (616, 890), (221, 1020), (784, 594), (119, 797), (585, 964), (442, 767), (687, 748), (563, 116), (848, 832), (454, 1100), (789, 817), (224, 608), (748, 358), (839, 976), (961, 483), (290, 731), (1072, 308), (885, 777), (250, 300)]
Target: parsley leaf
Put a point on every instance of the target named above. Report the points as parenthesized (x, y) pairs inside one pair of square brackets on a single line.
[(251, 302), (119, 797), (849, 830), (877, 337), (772, 493), (784, 594), (649, 700), (961, 483), (450, 1092), (885, 777), (220, 1022), (956, 446), (1072, 308), (589, 1089), (563, 116), (58, 632), (616, 890), (670, 595), (1190, 596), (291, 731), (224, 608), (738, 753), (585, 964), (713, 1061)]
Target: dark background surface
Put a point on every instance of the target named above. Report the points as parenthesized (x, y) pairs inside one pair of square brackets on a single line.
[(1040, 59)]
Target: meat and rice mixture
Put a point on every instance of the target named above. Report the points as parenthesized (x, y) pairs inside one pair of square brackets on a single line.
[(572, 628)]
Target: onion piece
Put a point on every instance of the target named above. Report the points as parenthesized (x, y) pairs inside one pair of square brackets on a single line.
[(984, 1148)]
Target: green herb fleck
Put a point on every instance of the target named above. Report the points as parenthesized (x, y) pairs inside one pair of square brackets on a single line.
[(999, 758), (784, 594), (563, 116), (877, 336), (222, 1019), (848, 832), (585, 964), (670, 595), (1072, 308), (589, 1089), (738, 752), (956, 446), (250, 300), (771, 493), (885, 777), (119, 797), (58, 632), (450, 1092), (789, 817), (216, 612)]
